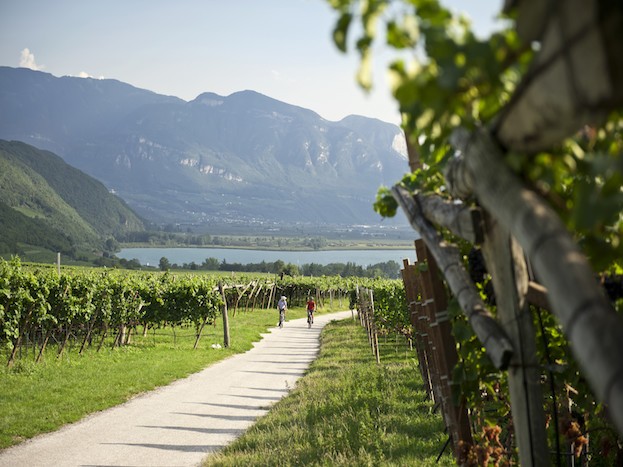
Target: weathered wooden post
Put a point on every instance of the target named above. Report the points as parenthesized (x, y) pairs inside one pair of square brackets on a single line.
[(375, 336), (412, 291), (365, 306), (225, 317), (436, 303), (271, 296), (506, 264), (424, 321), (252, 296)]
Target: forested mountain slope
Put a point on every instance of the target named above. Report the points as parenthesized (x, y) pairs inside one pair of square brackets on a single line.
[(46, 202)]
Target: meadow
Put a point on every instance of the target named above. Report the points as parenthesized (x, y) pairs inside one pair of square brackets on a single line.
[(348, 411)]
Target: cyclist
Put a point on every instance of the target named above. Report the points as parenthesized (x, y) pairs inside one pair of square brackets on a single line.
[(311, 307), (282, 306)]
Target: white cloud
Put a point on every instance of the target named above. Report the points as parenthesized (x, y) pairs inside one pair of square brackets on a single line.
[(84, 74), (27, 60)]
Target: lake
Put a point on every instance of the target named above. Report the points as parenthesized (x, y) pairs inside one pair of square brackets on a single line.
[(151, 256)]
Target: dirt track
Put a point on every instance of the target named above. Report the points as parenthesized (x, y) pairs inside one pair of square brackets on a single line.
[(180, 424)]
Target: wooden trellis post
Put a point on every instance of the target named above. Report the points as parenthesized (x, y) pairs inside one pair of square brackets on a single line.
[(435, 344), (365, 302), (409, 273), (271, 296), (444, 352), (511, 282), (225, 317), (375, 336), (424, 338)]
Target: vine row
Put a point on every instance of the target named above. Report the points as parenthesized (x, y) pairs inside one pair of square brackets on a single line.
[(37, 305)]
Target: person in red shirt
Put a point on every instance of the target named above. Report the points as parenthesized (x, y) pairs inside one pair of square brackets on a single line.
[(311, 307)]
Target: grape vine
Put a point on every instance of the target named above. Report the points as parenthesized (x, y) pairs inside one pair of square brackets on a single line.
[(39, 306)]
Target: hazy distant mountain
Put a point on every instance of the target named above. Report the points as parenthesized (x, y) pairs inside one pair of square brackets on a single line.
[(47, 203), (244, 156)]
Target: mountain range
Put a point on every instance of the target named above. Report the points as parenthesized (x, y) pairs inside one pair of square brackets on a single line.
[(243, 157)]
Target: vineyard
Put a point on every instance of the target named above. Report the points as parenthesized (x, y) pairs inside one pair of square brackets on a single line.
[(88, 339), (87, 309), (44, 313), (467, 386)]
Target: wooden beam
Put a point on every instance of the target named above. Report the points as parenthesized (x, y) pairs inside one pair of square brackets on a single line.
[(575, 79), (537, 295), (487, 329), (462, 220)]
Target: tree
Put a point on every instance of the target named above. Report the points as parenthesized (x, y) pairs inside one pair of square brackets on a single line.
[(312, 269), (316, 242), (164, 264), (291, 269), (278, 267), (111, 245), (211, 264)]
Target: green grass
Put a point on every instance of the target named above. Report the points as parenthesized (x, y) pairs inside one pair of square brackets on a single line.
[(347, 411), (39, 398)]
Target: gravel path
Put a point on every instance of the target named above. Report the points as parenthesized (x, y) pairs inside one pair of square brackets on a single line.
[(178, 425)]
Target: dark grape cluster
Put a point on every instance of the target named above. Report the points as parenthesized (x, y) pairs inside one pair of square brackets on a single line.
[(478, 273), (476, 265), (613, 285)]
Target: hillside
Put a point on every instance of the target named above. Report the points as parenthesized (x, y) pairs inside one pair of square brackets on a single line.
[(18, 230), (239, 158), (47, 203)]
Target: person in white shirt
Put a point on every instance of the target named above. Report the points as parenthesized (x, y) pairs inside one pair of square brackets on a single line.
[(282, 306)]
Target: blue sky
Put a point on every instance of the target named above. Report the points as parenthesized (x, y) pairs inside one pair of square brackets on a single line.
[(281, 48)]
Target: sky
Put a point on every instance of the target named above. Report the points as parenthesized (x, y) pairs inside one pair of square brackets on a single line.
[(280, 48)]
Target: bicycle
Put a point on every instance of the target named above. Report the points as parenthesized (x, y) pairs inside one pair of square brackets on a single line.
[(311, 307)]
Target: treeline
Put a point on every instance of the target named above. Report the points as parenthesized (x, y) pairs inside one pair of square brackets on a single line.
[(172, 236), (386, 270)]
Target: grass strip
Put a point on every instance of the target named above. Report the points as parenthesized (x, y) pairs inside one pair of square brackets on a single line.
[(39, 398), (347, 411)]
